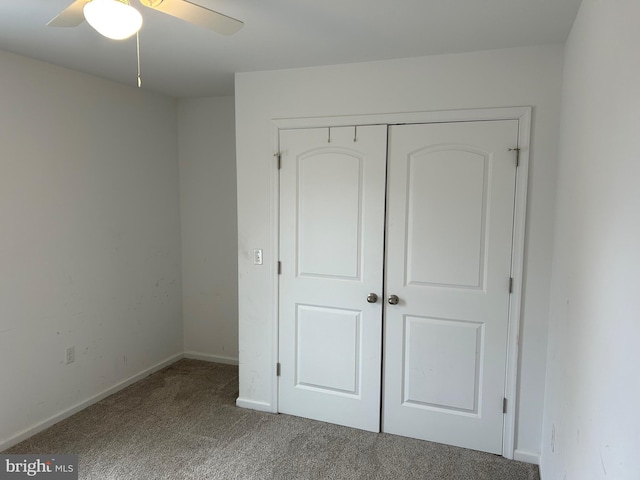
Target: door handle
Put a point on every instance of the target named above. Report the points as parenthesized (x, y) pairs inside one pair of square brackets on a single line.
[(393, 300), (372, 298)]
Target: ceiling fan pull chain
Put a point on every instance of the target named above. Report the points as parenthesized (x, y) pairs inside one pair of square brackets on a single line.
[(138, 52)]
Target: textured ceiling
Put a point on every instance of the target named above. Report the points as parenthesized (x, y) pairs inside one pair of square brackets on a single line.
[(182, 60)]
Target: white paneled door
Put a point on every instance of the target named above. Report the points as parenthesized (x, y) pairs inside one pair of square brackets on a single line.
[(448, 260), (445, 243), (332, 194)]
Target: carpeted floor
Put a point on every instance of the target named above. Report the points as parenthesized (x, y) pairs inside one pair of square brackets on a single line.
[(182, 423)]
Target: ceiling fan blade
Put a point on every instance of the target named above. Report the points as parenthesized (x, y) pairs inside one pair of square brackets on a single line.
[(71, 16), (198, 15)]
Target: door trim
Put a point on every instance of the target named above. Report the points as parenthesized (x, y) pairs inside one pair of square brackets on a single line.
[(523, 115)]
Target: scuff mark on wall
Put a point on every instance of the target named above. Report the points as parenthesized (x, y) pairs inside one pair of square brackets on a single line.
[(602, 463)]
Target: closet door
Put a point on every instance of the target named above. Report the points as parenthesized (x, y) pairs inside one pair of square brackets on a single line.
[(332, 200), (449, 237)]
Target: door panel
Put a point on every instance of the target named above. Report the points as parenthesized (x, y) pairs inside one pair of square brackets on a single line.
[(446, 202), (332, 198), (320, 330), (329, 225), (450, 219), (430, 345)]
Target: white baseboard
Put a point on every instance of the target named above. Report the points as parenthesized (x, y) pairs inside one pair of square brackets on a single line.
[(253, 405), (86, 403), (527, 457), (211, 358)]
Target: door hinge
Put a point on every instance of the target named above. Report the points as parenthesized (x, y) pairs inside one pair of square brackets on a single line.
[(279, 267), (517, 150), (279, 158), (504, 405), (277, 369), (510, 284)]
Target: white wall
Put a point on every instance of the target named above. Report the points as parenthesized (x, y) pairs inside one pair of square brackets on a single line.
[(514, 77), (591, 418), (209, 228), (89, 240)]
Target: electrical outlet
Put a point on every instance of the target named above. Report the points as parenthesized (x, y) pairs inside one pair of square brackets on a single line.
[(71, 354)]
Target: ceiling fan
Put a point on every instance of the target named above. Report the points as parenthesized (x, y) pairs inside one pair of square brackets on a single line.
[(118, 20)]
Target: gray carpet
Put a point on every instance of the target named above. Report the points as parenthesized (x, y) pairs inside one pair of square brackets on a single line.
[(182, 423)]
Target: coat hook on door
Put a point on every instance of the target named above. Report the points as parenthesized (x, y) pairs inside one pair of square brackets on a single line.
[(355, 133)]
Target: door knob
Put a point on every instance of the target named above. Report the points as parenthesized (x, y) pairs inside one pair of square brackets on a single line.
[(372, 298), (393, 300)]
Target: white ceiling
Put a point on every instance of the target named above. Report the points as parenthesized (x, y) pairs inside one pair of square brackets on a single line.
[(183, 60)]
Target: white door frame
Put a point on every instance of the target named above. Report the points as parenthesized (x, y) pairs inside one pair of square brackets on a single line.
[(523, 115)]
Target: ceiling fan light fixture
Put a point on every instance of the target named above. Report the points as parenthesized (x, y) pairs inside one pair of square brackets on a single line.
[(114, 19)]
